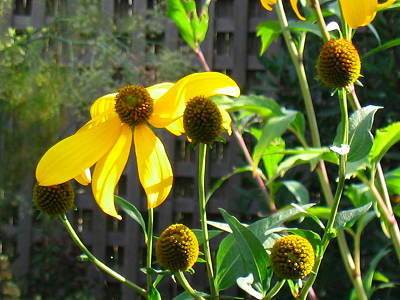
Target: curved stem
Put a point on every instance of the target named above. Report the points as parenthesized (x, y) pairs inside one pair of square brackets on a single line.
[(320, 19), (185, 284), (201, 172), (97, 262), (275, 290), (149, 255)]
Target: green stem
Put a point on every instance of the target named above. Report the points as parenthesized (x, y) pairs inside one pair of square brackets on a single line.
[(185, 284), (320, 19), (201, 172), (275, 290), (149, 256), (97, 262), (329, 231)]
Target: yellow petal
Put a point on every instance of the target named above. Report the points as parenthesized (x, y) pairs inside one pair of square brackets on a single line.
[(108, 170), (71, 156), (171, 105), (386, 4), (176, 127), (267, 4), (155, 173), (226, 120), (358, 13), (157, 90), (102, 105), (84, 178), (296, 10)]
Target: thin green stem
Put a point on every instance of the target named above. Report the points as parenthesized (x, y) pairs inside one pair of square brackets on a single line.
[(149, 256), (201, 172), (275, 290), (97, 262), (329, 231), (186, 285), (320, 19)]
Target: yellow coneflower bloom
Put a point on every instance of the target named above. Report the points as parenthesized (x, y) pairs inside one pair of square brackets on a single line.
[(267, 5), (358, 13), (117, 119)]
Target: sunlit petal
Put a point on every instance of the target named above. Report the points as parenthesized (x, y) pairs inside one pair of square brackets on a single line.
[(296, 9), (155, 173), (267, 4), (358, 13), (172, 104), (84, 178), (176, 127), (71, 156), (157, 90), (226, 121), (102, 105), (108, 170)]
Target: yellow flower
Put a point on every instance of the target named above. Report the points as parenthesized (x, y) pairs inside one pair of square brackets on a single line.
[(117, 119), (359, 13), (267, 5)]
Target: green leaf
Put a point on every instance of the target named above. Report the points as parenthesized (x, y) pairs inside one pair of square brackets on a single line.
[(131, 211), (387, 45), (346, 218), (299, 123), (368, 278), (154, 294), (229, 265), (263, 106), (304, 26), (272, 129), (393, 181), (385, 138), (298, 190), (253, 254), (271, 161), (187, 296), (359, 194), (268, 31), (178, 13), (211, 234)]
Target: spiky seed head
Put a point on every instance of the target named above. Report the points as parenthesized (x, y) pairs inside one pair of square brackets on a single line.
[(292, 257), (202, 120), (133, 104), (177, 248), (338, 63), (54, 199)]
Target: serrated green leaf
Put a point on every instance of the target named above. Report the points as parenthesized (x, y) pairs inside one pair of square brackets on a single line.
[(346, 218), (131, 211), (272, 129), (268, 32), (255, 258), (385, 138)]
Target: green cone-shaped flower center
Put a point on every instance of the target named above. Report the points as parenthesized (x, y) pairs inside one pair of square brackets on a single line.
[(292, 257), (338, 63), (177, 248), (54, 199), (202, 120), (133, 104)]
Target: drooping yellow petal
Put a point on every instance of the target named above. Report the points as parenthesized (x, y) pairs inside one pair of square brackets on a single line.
[(386, 4), (267, 4), (71, 156), (157, 90), (155, 172), (176, 127), (108, 170), (102, 105), (296, 9), (171, 105), (226, 120), (358, 13), (84, 178)]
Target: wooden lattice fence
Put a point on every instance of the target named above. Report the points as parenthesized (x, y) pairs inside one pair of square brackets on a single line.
[(230, 47)]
